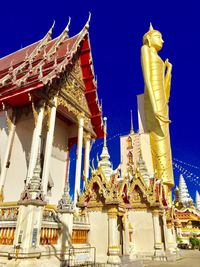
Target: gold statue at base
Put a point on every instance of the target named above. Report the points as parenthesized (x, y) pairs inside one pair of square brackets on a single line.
[(157, 79)]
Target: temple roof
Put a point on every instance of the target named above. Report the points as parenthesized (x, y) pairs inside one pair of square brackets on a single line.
[(41, 63), (187, 214)]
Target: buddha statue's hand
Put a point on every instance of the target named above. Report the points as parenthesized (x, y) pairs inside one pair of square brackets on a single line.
[(162, 118)]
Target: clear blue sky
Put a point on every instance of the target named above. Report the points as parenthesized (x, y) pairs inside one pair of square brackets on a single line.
[(116, 34)]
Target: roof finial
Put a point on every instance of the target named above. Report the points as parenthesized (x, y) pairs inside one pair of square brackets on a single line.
[(131, 130), (66, 30), (87, 25), (105, 132), (51, 29)]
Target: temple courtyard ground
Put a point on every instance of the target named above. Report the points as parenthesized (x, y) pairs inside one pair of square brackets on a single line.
[(190, 258)]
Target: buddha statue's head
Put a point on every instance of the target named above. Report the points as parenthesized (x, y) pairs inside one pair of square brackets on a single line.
[(153, 38)]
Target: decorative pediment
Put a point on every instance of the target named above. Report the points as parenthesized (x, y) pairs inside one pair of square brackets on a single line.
[(139, 193), (94, 192), (73, 88)]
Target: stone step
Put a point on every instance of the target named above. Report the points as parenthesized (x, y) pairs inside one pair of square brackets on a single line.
[(134, 263)]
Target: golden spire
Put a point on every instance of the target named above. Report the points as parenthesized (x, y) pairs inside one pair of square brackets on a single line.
[(105, 131), (151, 27), (131, 130)]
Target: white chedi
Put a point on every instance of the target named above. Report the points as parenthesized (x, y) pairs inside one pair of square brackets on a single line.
[(183, 191), (105, 163), (197, 200)]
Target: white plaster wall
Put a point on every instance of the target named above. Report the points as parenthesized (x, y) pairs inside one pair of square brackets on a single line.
[(3, 137), (58, 160), (98, 235), (17, 170), (141, 115), (124, 151), (143, 234), (146, 152)]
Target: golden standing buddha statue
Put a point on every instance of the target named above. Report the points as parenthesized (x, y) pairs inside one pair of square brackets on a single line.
[(157, 79)]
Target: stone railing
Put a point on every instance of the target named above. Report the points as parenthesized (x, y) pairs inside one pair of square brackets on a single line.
[(81, 219), (50, 227), (50, 215), (9, 213)]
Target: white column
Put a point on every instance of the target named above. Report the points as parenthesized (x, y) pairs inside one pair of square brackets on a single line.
[(126, 243), (35, 143), (7, 152), (157, 231), (87, 156), (66, 181), (78, 157), (171, 237), (48, 147), (113, 240)]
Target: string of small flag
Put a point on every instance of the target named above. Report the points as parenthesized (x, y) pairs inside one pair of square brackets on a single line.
[(185, 163), (178, 165), (192, 177)]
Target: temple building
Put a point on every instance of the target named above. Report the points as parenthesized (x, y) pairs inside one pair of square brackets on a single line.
[(48, 104), (186, 213)]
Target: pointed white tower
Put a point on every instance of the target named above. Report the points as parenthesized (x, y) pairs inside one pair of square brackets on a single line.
[(197, 200), (183, 191), (131, 130), (105, 157)]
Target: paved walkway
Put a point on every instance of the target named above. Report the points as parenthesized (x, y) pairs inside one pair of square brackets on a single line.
[(191, 258)]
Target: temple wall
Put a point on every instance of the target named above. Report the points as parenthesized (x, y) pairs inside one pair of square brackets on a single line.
[(98, 235), (17, 170), (3, 137), (58, 161), (143, 232), (19, 160)]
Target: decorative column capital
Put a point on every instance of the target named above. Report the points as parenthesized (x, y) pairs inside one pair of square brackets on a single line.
[(87, 137), (10, 119), (155, 213), (81, 118), (36, 110), (112, 212), (170, 225)]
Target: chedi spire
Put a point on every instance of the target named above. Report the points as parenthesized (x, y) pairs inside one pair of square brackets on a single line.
[(131, 130), (105, 157), (183, 191), (197, 200)]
